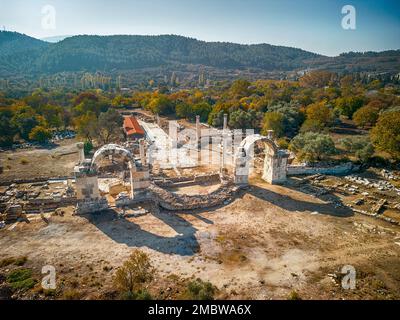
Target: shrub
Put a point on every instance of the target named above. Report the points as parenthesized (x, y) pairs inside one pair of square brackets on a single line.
[(283, 143), (361, 147), (20, 261), (293, 295), (71, 295), (142, 294), (312, 146), (134, 273), (199, 290), (24, 161), (87, 147), (6, 262), (21, 279)]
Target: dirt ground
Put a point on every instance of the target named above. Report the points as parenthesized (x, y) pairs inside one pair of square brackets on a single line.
[(58, 160), (268, 242)]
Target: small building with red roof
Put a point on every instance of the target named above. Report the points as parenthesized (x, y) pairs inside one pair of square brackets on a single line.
[(132, 129)]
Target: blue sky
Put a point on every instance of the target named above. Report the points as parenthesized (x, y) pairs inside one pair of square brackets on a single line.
[(313, 25)]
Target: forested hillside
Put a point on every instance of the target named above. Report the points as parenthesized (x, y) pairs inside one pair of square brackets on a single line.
[(25, 56)]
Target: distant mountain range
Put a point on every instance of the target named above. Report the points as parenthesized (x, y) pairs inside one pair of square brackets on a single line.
[(29, 57), (55, 39)]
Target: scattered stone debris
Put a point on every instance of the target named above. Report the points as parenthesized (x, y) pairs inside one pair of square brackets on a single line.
[(376, 184), (134, 213), (59, 212), (388, 175), (379, 206), (13, 212)]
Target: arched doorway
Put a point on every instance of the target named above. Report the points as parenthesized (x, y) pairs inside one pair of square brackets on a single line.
[(127, 156), (275, 161)]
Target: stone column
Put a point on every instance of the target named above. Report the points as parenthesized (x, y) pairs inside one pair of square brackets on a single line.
[(81, 152), (142, 152), (225, 122), (198, 129), (158, 119), (132, 170), (241, 167), (223, 156)]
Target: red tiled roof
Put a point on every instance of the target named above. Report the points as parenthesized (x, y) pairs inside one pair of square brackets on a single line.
[(132, 126)]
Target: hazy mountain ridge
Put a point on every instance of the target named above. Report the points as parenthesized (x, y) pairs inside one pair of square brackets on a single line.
[(24, 55)]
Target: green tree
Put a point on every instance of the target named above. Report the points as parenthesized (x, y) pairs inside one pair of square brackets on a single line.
[(347, 106), (202, 109), (362, 147), (319, 117), (241, 119), (7, 129), (386, 134), (161, 105), (240, 88), (366, 116), (274, 121), (131, 278), (87, 147), (109, 125), (216, 118), (184, 110), (87, 126), (312, 146), (292, 117), (40, 134), (25, 119)]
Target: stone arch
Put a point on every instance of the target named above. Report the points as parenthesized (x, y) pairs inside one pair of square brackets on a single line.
[(114, 149), (275, 161)]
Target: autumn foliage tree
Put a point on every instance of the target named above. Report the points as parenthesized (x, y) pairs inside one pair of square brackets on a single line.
[(274, 121), (318, 78), (386, 134), (319, 117), (40, 134), (366, 116)]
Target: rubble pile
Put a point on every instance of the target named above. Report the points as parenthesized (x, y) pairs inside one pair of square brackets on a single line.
[(389, 175), (376, 184), (375, 196), (34, 198)]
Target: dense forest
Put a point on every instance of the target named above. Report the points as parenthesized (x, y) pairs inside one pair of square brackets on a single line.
[(303, 114), (24, 56)]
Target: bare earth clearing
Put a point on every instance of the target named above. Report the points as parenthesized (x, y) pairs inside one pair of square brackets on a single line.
[(33, 163), (267, 242)]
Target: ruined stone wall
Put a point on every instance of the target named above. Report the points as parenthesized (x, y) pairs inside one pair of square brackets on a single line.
[(187, 180), (177, 202), (48, 205), (342, 169)]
